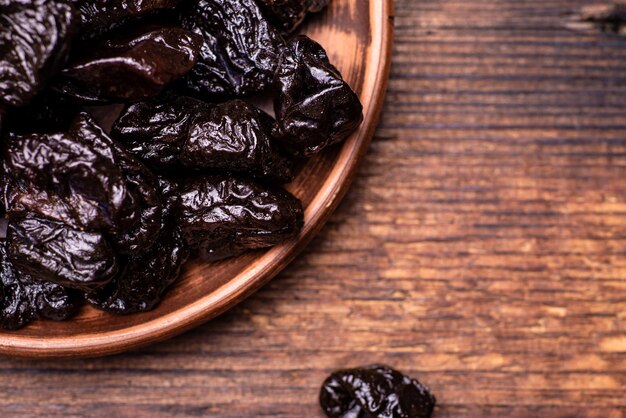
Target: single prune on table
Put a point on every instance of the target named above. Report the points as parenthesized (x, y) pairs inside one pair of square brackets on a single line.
[(156, 130), (375, 392), (289, 14), (222, 216), (180, 132), (99, 16), (143, 204), (240, 51), (130, 66), (140, 286), (52, 251), (35, 38), (314, 107), (23, 299)]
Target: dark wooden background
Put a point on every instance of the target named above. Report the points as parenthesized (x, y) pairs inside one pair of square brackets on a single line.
[(482, 248)]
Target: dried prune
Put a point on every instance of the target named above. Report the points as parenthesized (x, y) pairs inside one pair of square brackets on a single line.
[(314, 107), (130, 66), (155, 130), (142, 188), (84, 180), (178, 131), (23, 299), (289, 14), (35, 38), (141, 285), (235, 137), (142, 201), (169, 189), (99, 16), (52, 251), (15, 308), (65, 178), (375, 391), (240, 51), (222, 216)]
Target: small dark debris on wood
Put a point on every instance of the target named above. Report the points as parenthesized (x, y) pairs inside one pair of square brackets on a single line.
[(607, 18)]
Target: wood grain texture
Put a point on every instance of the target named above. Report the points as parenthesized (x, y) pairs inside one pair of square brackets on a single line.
[(482, 248)]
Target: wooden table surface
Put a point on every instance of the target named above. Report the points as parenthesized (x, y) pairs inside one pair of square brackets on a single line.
[(482, 248)]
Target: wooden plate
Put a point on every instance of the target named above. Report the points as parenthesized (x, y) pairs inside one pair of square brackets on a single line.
[(357, 35)]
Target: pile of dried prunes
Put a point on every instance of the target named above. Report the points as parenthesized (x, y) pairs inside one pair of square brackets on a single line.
[(108, 215)]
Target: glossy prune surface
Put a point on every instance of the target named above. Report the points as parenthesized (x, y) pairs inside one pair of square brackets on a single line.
[(140, 286), (240, 51), (180, 132), (169, 189), (99, 16), (223, 216), (236, 137), (375, 392), (287, 15), (35, 39), (314, 107), (130, 66), (144, 220), (52, 251), (23, 299), (70, 180), (86, 181), (156, 130)]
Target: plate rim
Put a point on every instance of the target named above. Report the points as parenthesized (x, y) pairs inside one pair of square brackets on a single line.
[(264, 269)]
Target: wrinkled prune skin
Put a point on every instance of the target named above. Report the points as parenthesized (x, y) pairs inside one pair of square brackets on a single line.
[(64, 178), (314, 107), (375, 392), (52, 251), (99, 16), (176, 132), (53, 301), (35, 39), (131, 66), (86, 181), (169, 189), (48, 112), (23, 299), (141, 285), (142, 186), (236, 137), (287, 15), (156, 130), (240, 51), (15, 308), (142, 200), (223, 216)]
